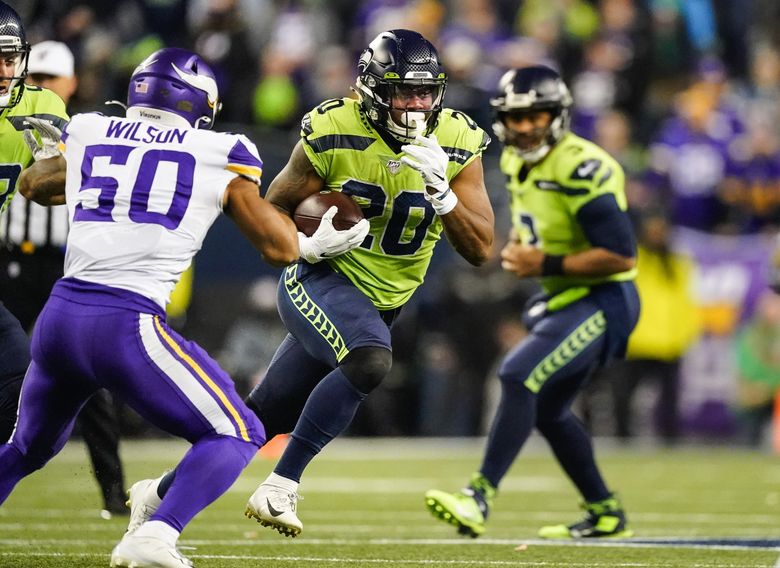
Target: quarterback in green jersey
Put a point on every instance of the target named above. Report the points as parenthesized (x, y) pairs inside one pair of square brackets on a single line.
[(18, 102), (415, 169), (571, 230)]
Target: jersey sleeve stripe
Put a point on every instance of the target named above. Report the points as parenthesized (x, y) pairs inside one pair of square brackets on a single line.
[(63, 138), (457, 155), (546, 185), (249, 171), (339, 142), (20, 122), (240, 155), (486, 140)]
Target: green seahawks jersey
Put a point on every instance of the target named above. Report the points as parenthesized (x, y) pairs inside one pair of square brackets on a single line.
[(545, 203), (14, 153), (352, 157)]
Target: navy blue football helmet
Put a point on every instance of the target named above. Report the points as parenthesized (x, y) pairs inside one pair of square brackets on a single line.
[(172, 85), (14, 52), (530, 89), (399, 62)]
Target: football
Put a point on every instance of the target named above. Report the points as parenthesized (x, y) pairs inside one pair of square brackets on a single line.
[(309, 211)]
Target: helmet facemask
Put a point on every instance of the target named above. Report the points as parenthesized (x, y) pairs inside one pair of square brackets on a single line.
[(526, 91), (534, 145), (401, 84), (388, 106), (14, 53)]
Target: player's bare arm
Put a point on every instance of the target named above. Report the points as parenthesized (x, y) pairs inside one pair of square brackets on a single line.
[(469, 226), (271, 232), (44, 181), (295, 182), (527, 261)]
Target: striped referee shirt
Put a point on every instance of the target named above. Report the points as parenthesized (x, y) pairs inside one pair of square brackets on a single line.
[(30, 226)]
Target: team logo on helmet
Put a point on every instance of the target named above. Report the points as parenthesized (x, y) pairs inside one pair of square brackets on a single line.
[(175, 86), (397, 66)]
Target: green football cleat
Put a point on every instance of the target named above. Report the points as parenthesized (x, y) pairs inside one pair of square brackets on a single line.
[(467, 509), (603, 519)]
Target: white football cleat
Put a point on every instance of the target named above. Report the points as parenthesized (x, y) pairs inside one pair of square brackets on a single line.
[(143, 502), (275, 507), (135, 551)]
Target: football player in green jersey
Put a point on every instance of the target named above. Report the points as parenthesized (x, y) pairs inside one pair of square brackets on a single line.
[(571, 229), (19, 149), (415, 168)]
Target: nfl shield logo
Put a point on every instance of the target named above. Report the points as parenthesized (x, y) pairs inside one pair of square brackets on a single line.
[(393, 166)]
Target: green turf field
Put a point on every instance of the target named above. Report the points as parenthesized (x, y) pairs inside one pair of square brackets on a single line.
[(363, 507)]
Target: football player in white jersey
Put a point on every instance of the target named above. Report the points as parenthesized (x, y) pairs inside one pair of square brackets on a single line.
[(142, 192)]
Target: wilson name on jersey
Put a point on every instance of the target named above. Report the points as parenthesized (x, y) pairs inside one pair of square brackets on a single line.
[(141, 198), (352, 157), (545, 200)]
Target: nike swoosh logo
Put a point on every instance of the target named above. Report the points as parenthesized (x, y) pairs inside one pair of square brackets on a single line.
[(438, 176), (274, 512), (466, 514), (587, 169)]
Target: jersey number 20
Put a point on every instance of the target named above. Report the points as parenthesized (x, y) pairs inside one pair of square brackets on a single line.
[(396, 239)]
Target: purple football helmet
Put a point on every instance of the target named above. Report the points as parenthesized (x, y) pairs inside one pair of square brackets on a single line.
[(173, 84)]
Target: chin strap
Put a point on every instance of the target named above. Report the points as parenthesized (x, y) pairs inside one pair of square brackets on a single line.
[(534, 156)]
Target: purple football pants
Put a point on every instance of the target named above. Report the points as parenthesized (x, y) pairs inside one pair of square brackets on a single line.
[(90, 336)]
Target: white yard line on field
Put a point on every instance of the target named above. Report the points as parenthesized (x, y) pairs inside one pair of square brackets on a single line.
[(392, 562), (655, 542)]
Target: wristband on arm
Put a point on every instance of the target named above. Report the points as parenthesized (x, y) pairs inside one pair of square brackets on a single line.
[(552, 264)]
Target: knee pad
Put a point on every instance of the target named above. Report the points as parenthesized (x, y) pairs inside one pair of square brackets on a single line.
[(366, 367)]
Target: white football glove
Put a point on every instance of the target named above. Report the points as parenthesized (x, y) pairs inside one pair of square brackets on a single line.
[(428, 158), (327, 242), (50, 138)]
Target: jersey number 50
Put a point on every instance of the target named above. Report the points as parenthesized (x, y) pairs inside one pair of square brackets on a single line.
[(141, 191)]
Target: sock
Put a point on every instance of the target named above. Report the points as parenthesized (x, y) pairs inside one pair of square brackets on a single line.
[(165, 483), (279, 481), (328, 412), (160, 530), (573, 449), (207, 470)]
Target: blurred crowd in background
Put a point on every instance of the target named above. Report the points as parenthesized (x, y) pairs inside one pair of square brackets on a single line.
[(684, 93)]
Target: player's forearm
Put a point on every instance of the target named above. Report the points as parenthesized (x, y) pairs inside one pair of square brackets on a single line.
[(280, 249), (470, 225), (44, 181), (470, 233), (271, 232), (596, 262)]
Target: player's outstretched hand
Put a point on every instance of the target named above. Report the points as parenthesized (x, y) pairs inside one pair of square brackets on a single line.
[(429, 158), (49, 138), (327, 242)]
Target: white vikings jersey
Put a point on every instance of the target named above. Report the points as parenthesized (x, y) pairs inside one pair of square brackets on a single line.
[(141, 198)]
